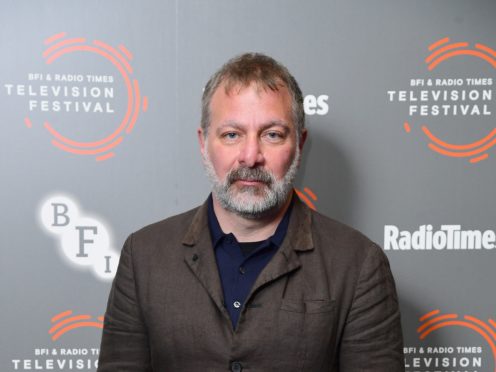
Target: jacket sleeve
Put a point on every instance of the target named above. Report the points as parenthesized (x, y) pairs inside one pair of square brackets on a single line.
[(372, 339), (124, 346)]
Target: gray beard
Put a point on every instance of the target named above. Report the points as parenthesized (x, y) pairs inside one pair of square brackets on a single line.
[(252, 202)]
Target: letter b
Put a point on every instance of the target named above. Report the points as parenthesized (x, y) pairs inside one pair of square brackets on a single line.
[(60, 216)]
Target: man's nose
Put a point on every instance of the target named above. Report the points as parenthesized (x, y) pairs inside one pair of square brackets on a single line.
[(250, 154)]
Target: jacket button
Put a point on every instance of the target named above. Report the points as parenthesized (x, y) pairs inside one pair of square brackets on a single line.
[(236, 367)]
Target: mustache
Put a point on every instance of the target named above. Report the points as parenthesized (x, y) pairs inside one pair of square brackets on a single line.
[(250, 174)]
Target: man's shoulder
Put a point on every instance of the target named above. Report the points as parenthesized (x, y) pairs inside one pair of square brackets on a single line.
[(170, 228), (340, 238), (337, 229), (346, 252)]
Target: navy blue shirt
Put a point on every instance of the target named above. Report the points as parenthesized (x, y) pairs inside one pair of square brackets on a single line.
[(240, 264)]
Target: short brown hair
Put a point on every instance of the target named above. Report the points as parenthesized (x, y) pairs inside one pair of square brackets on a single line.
[(254, 68)]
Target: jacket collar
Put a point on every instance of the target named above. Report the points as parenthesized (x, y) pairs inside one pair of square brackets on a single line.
[(299, 230)]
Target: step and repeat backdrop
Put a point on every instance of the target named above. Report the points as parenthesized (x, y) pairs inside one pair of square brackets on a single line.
[(99, 106)]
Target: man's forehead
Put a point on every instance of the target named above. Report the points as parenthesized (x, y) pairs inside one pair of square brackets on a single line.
[(276, 99), (230, 87)]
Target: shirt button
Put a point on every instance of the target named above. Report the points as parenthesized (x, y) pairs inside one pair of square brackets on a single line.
[(236, 367), (242, 270), (237, 304)]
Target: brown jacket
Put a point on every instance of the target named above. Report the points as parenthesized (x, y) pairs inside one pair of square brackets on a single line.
[(325, 302)]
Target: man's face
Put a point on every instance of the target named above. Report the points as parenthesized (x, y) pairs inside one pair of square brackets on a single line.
[(250, 152)]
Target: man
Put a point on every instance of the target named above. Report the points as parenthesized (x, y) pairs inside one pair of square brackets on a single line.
[(252, 280)]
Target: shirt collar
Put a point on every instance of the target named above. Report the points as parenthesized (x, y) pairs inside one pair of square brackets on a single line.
[(217, 234)]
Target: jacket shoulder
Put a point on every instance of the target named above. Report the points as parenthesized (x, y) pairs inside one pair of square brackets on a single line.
[(338, 239), (176, 223), (168, 232), (339, 230)]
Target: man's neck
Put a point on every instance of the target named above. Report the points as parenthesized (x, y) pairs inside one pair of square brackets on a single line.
[(246, 229)]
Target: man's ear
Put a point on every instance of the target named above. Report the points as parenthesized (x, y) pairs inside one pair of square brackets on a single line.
[(303, 138), (201, 139)]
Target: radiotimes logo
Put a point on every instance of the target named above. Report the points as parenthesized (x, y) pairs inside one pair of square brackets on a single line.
[(469, 358), (316, 105), (84, 240), (84, 96), (446, 238), (453, 114), (64, 358)]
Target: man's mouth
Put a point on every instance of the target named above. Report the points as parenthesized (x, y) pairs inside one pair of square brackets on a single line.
[(248, 182)]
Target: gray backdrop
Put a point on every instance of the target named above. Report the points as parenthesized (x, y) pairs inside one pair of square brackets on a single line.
[(99, 104)]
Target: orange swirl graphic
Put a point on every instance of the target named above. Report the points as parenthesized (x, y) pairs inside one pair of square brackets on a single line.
[(64, 322), (305, 198), (441, 51), (57, 46), (469, 322)]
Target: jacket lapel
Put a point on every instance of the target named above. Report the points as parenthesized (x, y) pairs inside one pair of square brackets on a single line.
[(298, 238), (200, 258)]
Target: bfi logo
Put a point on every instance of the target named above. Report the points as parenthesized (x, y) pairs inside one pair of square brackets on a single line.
[(84, 241)]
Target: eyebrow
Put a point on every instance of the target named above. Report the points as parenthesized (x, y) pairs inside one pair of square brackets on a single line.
[(265, 126)]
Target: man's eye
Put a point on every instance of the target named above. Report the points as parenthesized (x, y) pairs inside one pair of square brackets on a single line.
[(230, 135), (274, 136)]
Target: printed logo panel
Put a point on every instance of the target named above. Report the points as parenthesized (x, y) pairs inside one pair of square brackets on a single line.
[(63, 358), (441, 105), (83, 240), (478, 355), (85, 96)]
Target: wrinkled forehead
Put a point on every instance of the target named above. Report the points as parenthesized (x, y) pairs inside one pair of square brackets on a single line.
[(235, 86), (276, 99)]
